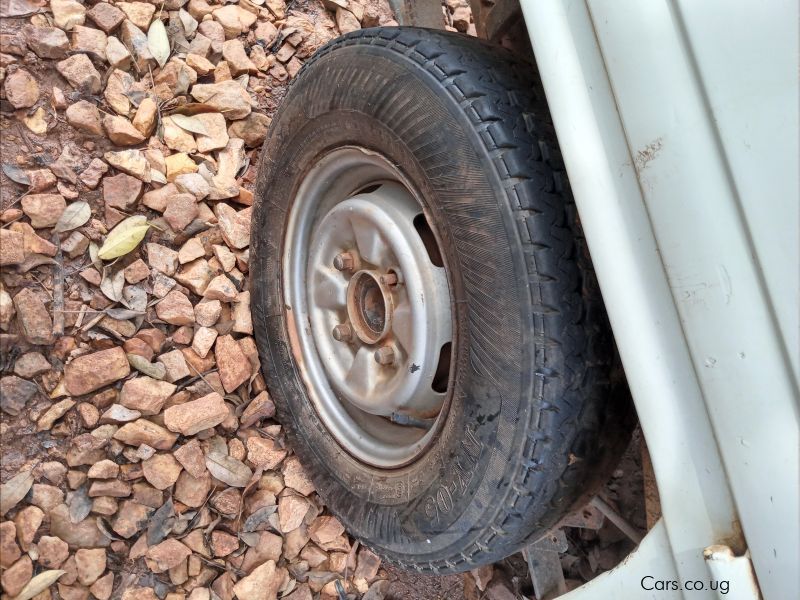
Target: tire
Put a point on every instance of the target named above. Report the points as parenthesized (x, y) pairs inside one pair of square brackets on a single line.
[(539, 410)]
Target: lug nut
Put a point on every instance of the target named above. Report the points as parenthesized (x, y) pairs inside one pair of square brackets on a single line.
[(344, 261), (384, 356), (342, 333), (389, 279)]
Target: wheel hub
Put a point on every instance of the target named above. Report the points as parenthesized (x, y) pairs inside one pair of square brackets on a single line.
[(369, 306)]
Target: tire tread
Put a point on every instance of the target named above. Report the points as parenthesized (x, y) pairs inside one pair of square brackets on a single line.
[(505, 103)]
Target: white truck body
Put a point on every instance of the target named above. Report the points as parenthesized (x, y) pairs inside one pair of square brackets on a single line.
[(678, 123)]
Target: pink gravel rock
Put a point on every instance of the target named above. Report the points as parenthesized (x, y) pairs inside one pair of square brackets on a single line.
[(93, 371), (43, 210), (194, 416), (262, 584), (143, 431), (175, 309), (161, 471), (90, 564), (33, 317), (52, 551), (166, 555), (145, 394), (234, 368)]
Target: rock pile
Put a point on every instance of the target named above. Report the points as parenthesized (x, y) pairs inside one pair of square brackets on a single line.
[(141, 459)]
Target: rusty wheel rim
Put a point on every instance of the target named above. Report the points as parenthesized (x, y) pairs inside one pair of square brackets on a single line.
[(370, 301)]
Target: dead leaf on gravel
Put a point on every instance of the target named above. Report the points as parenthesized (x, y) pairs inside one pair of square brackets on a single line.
[(158, 42), (251, 538), (74, 216), (188, 21), (14, 490), (134, 297), (124, 237), (79, 503), (141, 364), (94, 255), (259, 518), (192, 108), (189, 124), (183, 522), (39, 584), (112, 284), (123, 314), (104, 527), (228, 470), (37, 122), (16, 174), (161, 523), (32, 261)]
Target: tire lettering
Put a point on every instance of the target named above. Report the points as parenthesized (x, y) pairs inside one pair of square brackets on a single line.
[(457, 480), (445, 500)]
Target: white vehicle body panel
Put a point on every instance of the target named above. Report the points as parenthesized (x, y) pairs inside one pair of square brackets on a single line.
[(678, 122)]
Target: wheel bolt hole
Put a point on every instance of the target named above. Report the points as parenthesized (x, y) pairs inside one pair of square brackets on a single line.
[(441, 378), (428, 239)]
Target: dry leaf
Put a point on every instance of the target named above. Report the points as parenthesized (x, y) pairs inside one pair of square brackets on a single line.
[(158, 42), (228, 470), (16, 174), (14, 490), (36, 122), (39, 584), (188, 21), (106, 530), (251, 538), (124, 237), (112, 283), (79, 503), (140, 363), (189, 124), (192, 108), (183, 522), (183, 81), (75, 215), (255, 521), (160, 524), (60, 390), (134, 297), (93, 250), (123, 314)]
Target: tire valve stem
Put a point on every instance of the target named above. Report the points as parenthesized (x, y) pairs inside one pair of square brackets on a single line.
[(409, 421), (344, 261), (342, 332), (384, 356)]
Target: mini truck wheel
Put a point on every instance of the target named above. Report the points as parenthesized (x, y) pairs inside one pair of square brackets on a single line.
[(429, 324)]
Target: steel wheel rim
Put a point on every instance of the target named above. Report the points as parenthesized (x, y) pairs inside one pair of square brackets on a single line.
[(372, 378)]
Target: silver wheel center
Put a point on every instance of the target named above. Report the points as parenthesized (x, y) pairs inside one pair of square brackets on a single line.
[(376, 308)]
